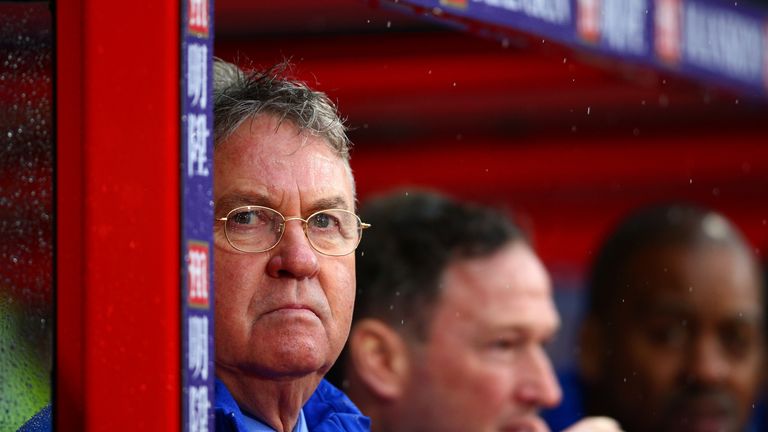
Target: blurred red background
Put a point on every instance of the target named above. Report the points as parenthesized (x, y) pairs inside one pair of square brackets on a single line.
[(568, 140)]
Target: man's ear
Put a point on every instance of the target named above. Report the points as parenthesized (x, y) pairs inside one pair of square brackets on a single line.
[(591, 343), (379, 357)]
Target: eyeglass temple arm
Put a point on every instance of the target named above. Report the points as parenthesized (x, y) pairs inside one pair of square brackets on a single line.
[(364, 225)]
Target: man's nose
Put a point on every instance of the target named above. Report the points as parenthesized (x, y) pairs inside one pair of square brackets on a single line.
[(293, 257), (708, 362), (538, 385)]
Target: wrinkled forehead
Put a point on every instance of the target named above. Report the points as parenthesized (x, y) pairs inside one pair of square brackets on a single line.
[(275, 152), (267, 126)]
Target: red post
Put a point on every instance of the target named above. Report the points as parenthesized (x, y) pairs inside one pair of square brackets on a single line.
[(118, 260)]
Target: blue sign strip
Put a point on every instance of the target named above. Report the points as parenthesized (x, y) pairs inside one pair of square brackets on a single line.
[(724, 43), (197, 215)]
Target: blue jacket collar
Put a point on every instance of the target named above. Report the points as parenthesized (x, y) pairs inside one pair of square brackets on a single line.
[(328, 410)]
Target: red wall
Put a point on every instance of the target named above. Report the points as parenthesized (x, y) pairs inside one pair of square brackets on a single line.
[(568, 141)]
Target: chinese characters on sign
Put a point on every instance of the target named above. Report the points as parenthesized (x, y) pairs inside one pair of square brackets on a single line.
[(198, 346), (198, 349), (197, 214), (199, 405), (197, 146), (197, 275), (198, 17), (197, 74)]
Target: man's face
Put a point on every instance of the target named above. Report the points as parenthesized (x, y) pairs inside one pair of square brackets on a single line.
[(689, 344), (286, 312), (483, 366)]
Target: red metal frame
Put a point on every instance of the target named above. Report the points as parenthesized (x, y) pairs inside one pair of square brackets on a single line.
[(118, 329)]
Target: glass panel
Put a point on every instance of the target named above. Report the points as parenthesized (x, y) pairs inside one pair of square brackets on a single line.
[(26, 210)]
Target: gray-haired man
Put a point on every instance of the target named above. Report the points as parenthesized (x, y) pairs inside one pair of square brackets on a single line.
[(284, 268)]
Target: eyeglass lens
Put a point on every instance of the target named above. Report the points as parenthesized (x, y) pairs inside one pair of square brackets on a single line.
[(256, 229)]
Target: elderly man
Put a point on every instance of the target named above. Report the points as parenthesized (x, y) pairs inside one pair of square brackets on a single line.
[(454, 309), (675, 334), (284, 265)]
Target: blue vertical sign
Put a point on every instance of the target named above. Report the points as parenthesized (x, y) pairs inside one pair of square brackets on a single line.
[(197, 215)]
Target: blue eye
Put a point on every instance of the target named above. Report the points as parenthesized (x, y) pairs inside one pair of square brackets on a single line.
[(324, 221), (242, 218), (253, 217), (247, 217)]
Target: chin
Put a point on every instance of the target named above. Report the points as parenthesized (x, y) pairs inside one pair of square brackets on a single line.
[(296, 358)]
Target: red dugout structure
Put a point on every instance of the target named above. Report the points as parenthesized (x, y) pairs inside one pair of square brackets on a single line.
[(568, 138)]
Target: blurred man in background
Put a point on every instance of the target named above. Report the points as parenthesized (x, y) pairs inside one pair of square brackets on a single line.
[(674, 338), (453, 312)]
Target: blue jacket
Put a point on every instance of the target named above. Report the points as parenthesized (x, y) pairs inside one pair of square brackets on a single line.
[(328, 410)]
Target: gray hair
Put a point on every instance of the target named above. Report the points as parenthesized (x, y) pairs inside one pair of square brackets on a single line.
[(240, 96)]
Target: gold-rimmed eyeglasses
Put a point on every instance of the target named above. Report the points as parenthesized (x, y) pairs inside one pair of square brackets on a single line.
[(253, 229)]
